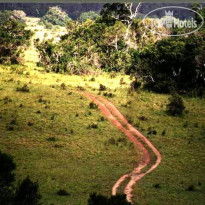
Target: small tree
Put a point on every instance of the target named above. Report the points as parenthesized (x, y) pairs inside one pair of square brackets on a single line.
[(13, 38), (56, 16), (88, 15), (7, 177), (175, 106), (27, 193)]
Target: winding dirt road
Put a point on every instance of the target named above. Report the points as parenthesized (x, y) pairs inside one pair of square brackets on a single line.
[(151, 156)]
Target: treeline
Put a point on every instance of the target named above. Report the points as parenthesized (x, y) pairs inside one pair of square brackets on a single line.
[(113, 42)]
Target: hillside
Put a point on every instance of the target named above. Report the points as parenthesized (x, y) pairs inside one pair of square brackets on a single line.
[(101, 131)]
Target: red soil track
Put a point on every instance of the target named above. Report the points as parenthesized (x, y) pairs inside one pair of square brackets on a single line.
[(120, 122)]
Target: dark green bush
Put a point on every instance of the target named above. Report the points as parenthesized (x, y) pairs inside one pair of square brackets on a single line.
[(13, 39), (7, 178), (55, 16), (98, 199), (25, 88), (27, 193), (52, 139), (175, 106), (62, 192), (102, 87), (92, 105)]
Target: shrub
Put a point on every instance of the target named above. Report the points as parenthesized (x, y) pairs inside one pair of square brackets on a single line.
[(102, 87), (30, 123), (7, 167), (25, 88), (175, 106), (13, 39), (110, 95), (27, 193), (88, 15), (157, 186), (143, 118), (7, 177), (191, 188), (92, 105), (63, 192), (92, 79), (93, 126), (98, 199), (55, 16), (52, 139)]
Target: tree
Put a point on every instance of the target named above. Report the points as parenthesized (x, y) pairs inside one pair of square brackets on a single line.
[(56, 16), (88, 15), (174, 64), (124, 12), (27, 193), (13, 38), (7, 177)]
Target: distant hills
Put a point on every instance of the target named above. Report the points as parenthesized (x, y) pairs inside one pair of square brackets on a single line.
[(75, 9)]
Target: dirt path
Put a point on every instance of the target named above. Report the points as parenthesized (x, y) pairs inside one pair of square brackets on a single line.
[(148, 149)]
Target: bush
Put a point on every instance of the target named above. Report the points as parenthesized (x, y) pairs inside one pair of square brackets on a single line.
[(7, 177), (13, 38), (102, 87), (63, 192), (27, 193), (52, 139), (23, 89), (88, 15), (98, 199), (7, 166), (55, 16), (92, 105), (93, 126), (174, 64), (175, 106)]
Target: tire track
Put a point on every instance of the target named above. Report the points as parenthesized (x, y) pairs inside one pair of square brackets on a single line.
[(119, 121)]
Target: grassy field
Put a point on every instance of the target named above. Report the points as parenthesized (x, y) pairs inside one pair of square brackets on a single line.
[(60, 142), (179, 179), (47, 131)]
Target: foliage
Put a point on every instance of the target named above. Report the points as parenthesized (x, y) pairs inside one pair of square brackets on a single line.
[(7, 167), (111, 12), (27, 193), (7, 178), (87, 46), (12, 15), (175, 106), (97, 199), (56, 16), (13, 38), (114, 42), (173, 64), (88, 15)]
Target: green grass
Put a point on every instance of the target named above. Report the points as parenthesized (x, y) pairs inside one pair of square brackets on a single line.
[(50, 140), (182, 148), (61, 152), (47, 131)]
